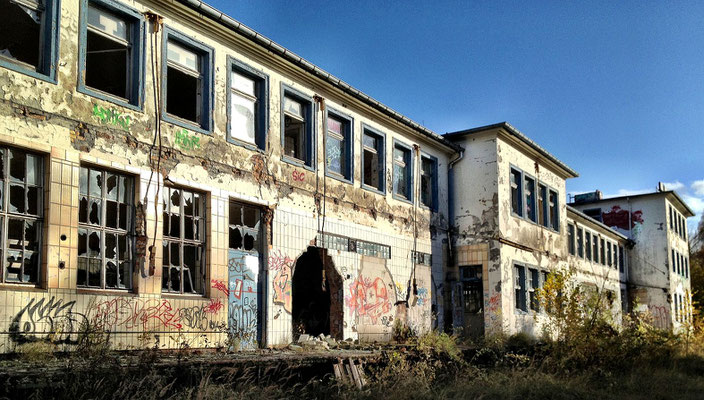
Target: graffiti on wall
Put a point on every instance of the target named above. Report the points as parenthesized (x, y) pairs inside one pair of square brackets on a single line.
[(623, 219), (111, 117), (185, 141), (298, 176), (660, 316), (369, 298), (54, 320), (282, 266), (220, 286), (243, 270)]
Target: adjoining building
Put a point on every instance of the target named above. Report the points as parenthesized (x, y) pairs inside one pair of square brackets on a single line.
[(173, 178), (658, 277)]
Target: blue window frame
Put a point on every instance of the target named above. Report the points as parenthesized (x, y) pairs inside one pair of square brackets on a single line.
[(111, 53), (516, 191), (248, 105), (373, 160), (187, 82), (29, 37), (402, 162), (339, 153), (553, 210), (530, 203), (297, 128), (429, 181)]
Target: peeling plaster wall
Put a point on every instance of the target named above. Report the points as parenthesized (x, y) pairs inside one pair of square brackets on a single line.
[(72, 129)]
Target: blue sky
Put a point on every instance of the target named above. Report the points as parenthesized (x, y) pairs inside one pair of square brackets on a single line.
[(614, 89)]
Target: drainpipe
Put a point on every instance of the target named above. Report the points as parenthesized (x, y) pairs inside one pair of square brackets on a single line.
[(450, 249)]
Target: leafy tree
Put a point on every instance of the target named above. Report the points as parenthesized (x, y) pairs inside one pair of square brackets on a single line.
[(696, 269)]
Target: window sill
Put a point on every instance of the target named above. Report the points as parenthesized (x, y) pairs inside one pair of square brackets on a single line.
[(109, 98), (50, 78), (401, 198), (183, 296), (182, 123), (22, 287), (373, 189), (105, 292), (338, 177), (246, 145), (296, 162)]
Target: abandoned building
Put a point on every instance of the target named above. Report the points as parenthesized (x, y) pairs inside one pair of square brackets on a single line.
[(174, 178)]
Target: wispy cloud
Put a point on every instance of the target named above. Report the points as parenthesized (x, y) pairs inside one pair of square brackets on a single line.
[(698, 187), (676, 186)]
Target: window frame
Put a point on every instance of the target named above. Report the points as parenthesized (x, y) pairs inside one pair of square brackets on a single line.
[(434, 184), (207, 55), (39, 218), (571, 239), (348, 125), (49, 47), (602, 250), (587, 245), (102, 228), (310, 127), (518, 186), (580, 241), (534, 209), (137, 45), (554, 222), (182, 242), (261, 123), (381, 156), (410, 166), (520, 288)]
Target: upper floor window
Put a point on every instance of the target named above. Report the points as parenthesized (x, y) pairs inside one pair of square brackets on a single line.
[(184, 241), (516, 192), (542, 205), (28, 36), (338, 146), (588, 245), (111, 51), (21, 212), (520, 287), (580, 242), (603, 252), (554, 210), (248, 99), (534, 288), (621, 262), (609, 261), (530, 198), (570, 239), (403, 171), (105, 229), (672, 217), (429, 182), (373, 160), (298, 138), (674, 261), (188, 82)]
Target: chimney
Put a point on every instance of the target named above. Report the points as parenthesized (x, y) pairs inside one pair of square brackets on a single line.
[(661, 187)]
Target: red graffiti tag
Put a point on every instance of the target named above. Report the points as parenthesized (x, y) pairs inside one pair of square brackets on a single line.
[(220, 286), (619, 217), (298, 176), (214, 306)]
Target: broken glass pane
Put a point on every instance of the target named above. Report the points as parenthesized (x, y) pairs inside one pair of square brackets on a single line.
[(174, 255), (165, 224), (123, 216), (13, 266), (248, 241), (198, 231), (198, 199), (125, 274), (110, 274), (82, 271), (235, 238), (110, 246), (33, 197), (82, 242), (94, 215), (94, 272), (111, 186), (111, 214), (83, 210), (122, 248), (34, 170), (175, 202), (125, 190), (183, 94), (94, 244), (189, 267), (31, 235), (83, 181), (15, 233), (251, 217), (175, 225), (188, 228), (17, 199), (235, 214), (96, 183), (187, 203)]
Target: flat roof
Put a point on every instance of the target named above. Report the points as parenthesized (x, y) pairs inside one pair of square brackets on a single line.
[(671, 193), (278, 50), (518, 135)]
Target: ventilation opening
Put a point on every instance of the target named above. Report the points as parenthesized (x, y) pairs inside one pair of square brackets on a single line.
[(316, 296)]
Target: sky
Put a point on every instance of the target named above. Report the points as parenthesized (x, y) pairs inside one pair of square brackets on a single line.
[(614, 89)]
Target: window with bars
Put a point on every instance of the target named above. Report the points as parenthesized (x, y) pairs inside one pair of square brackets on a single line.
[(184, 241), (105, 229), (21, 215)]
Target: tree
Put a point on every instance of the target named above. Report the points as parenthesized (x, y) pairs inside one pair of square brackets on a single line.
[(696, 269)]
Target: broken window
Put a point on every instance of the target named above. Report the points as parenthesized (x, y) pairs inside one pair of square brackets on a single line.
[(603, 252), (105, 229), (554, 210), (570, 239), (516, 192), (21, 210), (183, 261), (373, 160), (245, 227), (608, 252), (297, 138), (520, 287), (188, 81), (674, 262), (580, 242), (595, 248), (533, 289), (26, 35), (402, 172), (338, 146), (542, 205), (248, 105), (112, 48), (594, 213), (472, 292), (530, 198), (428, 181)]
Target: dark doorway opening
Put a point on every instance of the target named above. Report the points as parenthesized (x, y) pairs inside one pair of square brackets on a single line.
[(316, 295)]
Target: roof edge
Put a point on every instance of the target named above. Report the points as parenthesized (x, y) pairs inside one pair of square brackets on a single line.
[(520, 136), (277, 49), (666, 193), (595, 222)]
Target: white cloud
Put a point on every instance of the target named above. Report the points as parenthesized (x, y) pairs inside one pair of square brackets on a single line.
[(695, 203), (698, 187), (676, 185)]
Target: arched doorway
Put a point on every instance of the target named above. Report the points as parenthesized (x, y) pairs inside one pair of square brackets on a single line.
[(316, 295)]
